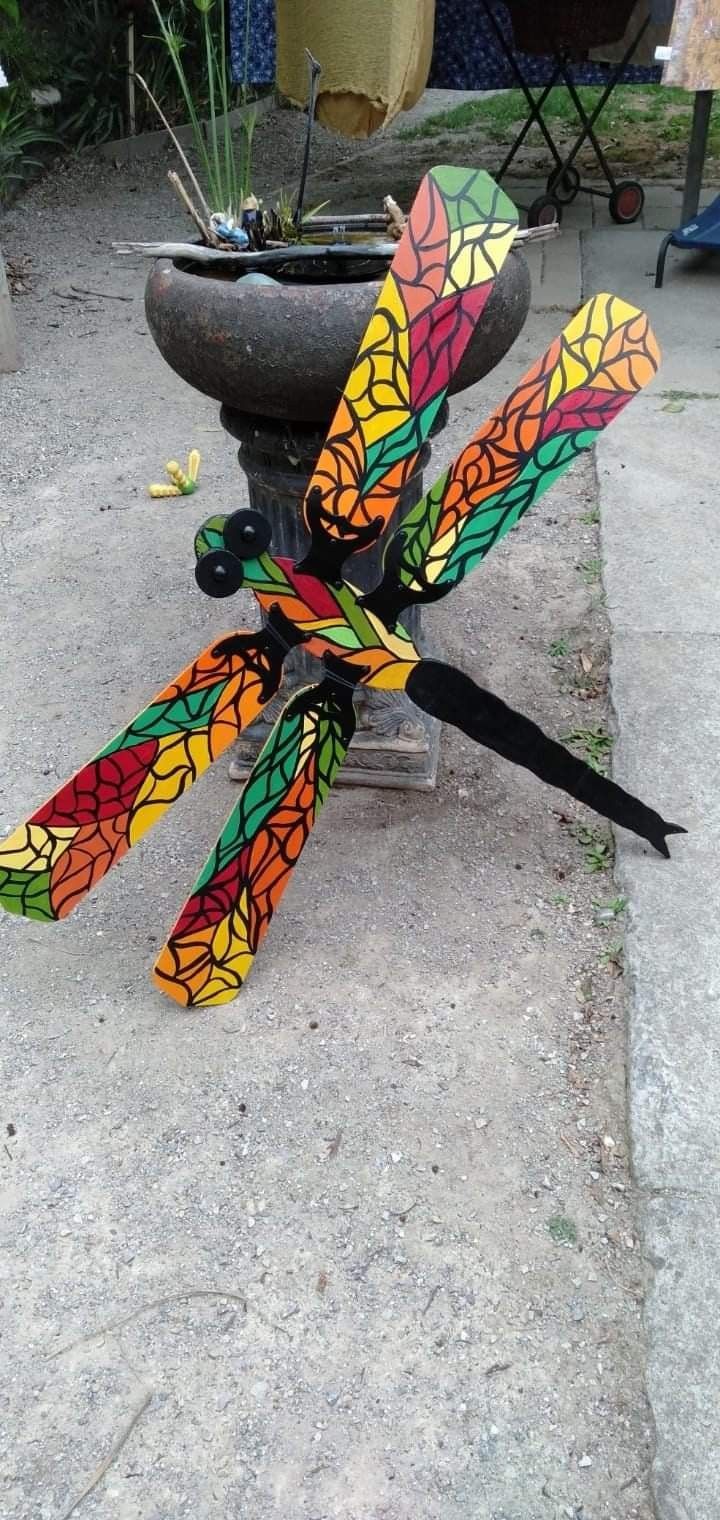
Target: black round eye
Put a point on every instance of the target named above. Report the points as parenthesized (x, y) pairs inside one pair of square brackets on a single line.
[(247, 534), (219, 573)]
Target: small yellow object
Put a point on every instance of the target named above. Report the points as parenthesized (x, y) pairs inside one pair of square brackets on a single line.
[(181, 482), (164, 490)]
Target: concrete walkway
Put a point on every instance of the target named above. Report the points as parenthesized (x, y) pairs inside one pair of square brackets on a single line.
[(661, 540), (299, 1260)]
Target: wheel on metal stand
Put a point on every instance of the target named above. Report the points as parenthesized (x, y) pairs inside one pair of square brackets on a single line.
[(627, 199), (544, 210), (564, 187)]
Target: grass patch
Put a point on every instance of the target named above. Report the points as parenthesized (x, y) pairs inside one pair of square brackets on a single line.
[(591, 517), (636, 118), (562, 1230), (559, 648)]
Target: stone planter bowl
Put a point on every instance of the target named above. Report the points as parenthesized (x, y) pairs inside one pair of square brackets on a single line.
[(285, 350)]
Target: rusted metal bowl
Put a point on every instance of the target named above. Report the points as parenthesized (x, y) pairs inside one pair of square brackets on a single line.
[(285, 350)]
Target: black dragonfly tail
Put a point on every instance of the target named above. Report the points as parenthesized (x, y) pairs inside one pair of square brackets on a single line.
[(450, 695)]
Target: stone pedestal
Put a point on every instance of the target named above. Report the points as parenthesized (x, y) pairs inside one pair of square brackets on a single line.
[(395, 744)]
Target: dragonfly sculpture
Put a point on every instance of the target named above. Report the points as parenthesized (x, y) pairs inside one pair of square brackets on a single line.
[(459, 231)]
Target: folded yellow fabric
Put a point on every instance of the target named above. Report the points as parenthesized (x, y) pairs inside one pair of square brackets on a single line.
[(375, 57)]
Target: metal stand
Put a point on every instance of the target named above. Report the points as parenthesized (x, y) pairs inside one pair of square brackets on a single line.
[(696, 153), (395, 744)]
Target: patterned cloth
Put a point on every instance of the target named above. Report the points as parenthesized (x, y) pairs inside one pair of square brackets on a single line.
[(465, 54), (259, 16)]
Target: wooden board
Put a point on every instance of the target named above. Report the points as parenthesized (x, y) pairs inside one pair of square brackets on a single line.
[(9, 359), (695, 42)]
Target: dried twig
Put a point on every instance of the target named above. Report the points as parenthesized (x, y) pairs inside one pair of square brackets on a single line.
[(100, 1472), (334, 1144), (176, 143), (105, 295), (156, 1303), (191, 209), (68, 295)]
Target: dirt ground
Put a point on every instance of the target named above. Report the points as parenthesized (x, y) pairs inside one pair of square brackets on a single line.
[(361, 1245)]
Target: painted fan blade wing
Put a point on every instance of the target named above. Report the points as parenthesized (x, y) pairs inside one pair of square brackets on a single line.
[(459, 231), (604, 356), (214, 942), (51, 862), (450, 695)]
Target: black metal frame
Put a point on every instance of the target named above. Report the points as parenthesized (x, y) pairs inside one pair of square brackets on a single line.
[(562, 73)]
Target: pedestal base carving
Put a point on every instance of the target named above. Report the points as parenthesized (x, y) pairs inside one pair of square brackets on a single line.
[(395, 744)]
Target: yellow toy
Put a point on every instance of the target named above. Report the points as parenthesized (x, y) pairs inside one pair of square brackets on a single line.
[(182, 482)]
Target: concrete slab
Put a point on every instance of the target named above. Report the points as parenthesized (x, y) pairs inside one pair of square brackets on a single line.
[(344, 1249), (555, 272), (682, 1239), (684, 313), (662, 554), (661, 526), (665, 695)]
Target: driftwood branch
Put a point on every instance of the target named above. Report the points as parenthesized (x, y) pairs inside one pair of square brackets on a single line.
[(277, 256), (272, 257)]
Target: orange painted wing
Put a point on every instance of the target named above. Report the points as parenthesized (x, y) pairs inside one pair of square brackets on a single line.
[(51, 862), (213, 944), (459, 231)]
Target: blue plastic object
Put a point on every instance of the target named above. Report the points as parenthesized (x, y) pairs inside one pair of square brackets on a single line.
[(702, 232)]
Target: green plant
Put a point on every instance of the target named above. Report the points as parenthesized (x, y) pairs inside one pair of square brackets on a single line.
[(227, 179), (614, 958), (558, 648), (596, 744), (606, 912), (155, 62), (10, 8), (19, 132), (591, 571), (591, 517), (597, 847), (93, 73), (29, 57)]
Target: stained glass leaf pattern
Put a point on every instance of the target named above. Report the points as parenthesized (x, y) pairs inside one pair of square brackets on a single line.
[(459, 231), (214, 942), (604, 356), (51, 862)]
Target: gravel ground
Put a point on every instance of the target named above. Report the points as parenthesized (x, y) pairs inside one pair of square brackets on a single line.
[(361, 1245)]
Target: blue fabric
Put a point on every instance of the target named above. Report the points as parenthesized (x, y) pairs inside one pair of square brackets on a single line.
[(261, 52), (465, 52), (466, 55)]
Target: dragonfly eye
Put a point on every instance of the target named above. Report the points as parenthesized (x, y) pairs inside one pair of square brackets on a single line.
[(247, 534), (219, 573)]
